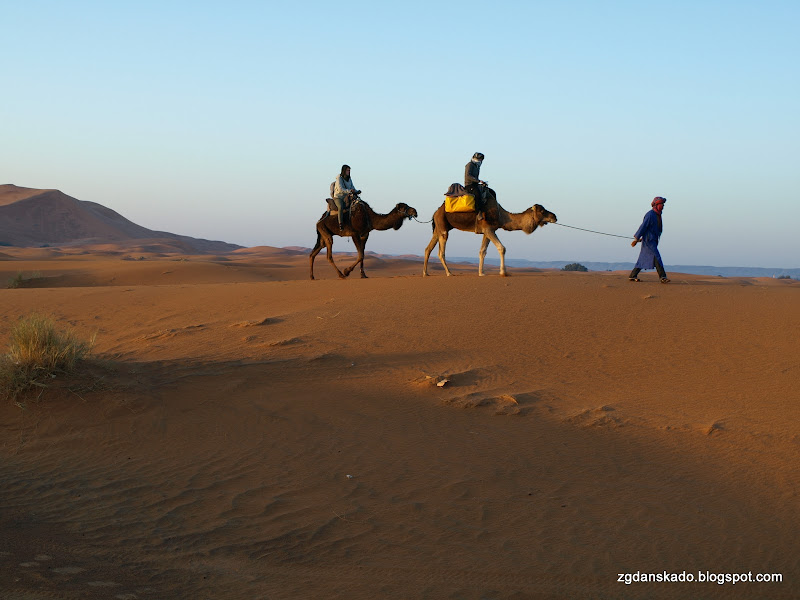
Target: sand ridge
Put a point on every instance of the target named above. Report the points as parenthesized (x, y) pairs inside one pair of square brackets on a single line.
[(251, 433)]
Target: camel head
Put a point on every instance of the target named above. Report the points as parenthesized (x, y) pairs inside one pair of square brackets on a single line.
[(406, 211), (542, 215), (538, 216)]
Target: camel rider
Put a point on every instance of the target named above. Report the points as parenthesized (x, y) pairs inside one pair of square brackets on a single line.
[(341, 188), (472, 183)]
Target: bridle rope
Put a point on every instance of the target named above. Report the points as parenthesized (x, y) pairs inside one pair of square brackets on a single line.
[(624, 237)]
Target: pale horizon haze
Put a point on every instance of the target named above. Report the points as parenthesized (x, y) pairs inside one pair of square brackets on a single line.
[(228, 121)]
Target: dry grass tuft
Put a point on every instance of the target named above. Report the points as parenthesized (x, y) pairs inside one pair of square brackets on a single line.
[(20, 280), (37, 352)]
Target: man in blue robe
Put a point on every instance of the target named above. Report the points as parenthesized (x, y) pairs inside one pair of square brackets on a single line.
[(649, 233)]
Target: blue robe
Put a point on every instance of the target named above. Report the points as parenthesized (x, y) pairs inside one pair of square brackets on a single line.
[(649, 232)]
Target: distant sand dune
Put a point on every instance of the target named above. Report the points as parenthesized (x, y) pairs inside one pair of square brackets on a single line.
[(35, 218)]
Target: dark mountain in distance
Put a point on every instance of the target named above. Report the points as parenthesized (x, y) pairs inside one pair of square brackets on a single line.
[(36, 218)]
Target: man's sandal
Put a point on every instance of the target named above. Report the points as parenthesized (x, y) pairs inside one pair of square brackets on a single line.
[(633, 279)]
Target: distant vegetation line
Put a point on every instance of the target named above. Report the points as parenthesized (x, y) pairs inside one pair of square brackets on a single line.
[(627, 266)]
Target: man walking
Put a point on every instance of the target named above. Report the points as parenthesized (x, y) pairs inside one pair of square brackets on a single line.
[(649, 234)]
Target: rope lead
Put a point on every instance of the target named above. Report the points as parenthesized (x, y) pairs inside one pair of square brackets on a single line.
[(624, 237)]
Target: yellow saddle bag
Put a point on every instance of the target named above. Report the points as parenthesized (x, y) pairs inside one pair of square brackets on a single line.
[(465, 203)]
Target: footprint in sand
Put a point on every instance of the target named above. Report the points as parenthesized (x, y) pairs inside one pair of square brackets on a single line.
[(286, 342), (500, 401), (715, 428), (264, 321), (69, 570), (169, 333), (502, 404), (597, 417), (37, 560)]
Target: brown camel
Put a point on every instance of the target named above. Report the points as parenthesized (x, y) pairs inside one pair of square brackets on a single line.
[(495, 217), (362, 221)]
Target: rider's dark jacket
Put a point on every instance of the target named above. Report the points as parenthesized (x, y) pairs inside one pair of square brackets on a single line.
[(471, 173)]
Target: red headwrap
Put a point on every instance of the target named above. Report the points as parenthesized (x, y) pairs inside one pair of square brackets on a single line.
[(658, 204)]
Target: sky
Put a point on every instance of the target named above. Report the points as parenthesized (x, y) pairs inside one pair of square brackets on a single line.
[(228, 120)]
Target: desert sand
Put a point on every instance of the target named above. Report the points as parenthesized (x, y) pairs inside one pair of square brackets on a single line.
[(244, 432)]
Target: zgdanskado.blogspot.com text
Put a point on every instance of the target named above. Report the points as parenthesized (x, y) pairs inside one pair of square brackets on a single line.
[(699, 577)]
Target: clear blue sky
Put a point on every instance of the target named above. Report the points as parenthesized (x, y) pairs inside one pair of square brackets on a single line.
[(228, 120)]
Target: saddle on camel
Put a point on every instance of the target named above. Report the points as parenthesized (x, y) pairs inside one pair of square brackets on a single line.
[(350, 201), (458, 200)]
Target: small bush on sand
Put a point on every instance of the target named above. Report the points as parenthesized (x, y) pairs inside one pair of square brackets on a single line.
[(37, 351), (20, 280), (574, 267)]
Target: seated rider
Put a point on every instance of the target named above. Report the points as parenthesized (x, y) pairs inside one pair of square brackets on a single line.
[(341, 188), (472, 183)]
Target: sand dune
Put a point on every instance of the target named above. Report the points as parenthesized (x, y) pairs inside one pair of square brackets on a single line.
[(36, 218), (244, 432)]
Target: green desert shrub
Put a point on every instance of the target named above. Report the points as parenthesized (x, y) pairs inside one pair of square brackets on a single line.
[(19, 280), (15, 282), (37, 351), (574, 267)]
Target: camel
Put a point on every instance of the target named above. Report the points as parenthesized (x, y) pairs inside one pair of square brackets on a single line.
[(362, 221), (495, 217)]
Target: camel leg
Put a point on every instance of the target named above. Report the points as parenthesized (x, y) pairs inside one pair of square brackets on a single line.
[(349, 269), (428, 250), (482, 254), (328, 240), (501, 250), (314, 253), (442, 244), (362, 251), (361, 244)]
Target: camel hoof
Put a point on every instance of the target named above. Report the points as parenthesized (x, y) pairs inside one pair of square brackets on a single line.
[(364, 276)]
